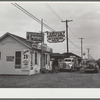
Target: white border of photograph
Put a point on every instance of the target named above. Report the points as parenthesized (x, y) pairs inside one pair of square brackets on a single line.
[(49, 92)]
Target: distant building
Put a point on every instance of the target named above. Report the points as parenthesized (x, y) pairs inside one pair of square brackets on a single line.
[(58, 56), (17, 57)]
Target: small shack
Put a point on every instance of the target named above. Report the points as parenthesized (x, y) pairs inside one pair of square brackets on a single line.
[(17, 57)]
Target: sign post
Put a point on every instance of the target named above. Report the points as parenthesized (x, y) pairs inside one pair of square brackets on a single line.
[(42, 43)]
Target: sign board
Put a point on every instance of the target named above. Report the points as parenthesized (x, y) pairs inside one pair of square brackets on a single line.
[(9, 58), (26, 60), (44, 47), (34, 45), (34, 37), (54, 37)]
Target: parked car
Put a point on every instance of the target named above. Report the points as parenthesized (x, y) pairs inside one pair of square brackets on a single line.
[(91, 66)]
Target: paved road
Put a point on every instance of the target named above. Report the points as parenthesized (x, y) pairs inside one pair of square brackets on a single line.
[(57, 80)]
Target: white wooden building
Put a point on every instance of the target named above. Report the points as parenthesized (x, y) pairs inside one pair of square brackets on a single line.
[(17, 57)]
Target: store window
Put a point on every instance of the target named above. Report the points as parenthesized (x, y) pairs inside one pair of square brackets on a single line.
[(18, 59), (35, 58)]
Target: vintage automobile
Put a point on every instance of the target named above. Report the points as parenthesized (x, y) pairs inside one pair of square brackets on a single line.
[(69, 64), (91, 66)]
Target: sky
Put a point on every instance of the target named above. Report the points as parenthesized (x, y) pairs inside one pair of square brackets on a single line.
[(85, 24)]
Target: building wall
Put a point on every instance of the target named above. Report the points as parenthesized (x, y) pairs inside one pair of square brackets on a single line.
[(36, 67), (8, 47)]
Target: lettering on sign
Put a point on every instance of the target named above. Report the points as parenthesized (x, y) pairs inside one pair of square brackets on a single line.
[(9, 58), (34, 37), (54, 37), (35, 45), (25, 59)]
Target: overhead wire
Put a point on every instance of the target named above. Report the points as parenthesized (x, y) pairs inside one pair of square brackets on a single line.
[(36, 19), (75, 20), (32, 16), (48, 6)]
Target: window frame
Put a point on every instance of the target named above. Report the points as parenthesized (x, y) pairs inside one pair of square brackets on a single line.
[(17, 66), (36, 58), (46, 59)]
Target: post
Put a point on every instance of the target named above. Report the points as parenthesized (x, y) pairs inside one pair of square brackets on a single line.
[(42, 43), (81, 48), (88, 53), (67, 35)]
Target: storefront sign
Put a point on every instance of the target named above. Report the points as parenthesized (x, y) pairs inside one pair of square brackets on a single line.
[(34, 45), (34, 37), (9, 58), (54, 37), (44, 47), (26, 58)]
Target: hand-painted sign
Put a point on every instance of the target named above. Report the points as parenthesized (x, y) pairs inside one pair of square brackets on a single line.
[(9, 58), (34, 45), (44, 47), (26, 60), (54, 37), (34, 37)]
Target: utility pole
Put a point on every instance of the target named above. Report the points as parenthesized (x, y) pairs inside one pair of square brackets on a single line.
[(81, 47), (88, 53), (67, 34), (42, 43)]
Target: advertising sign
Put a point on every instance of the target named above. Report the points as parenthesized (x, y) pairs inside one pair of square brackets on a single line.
[(44, 47), (25, 60), (34, 45), (54, 37), (9, 58), (34, 37)]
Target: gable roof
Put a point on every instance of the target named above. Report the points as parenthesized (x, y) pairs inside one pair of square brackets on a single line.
[(23, 41), (20, 39)]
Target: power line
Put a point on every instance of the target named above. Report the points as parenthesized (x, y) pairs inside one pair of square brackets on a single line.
[(74, 44), (53, 11), (49, 7), (30, 15), (35, 18)]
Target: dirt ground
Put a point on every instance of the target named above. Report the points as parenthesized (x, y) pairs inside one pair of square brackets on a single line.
[(56, 80)]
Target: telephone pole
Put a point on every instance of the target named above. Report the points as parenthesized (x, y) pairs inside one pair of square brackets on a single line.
[(67, 34), (81, 47), (42, 43), (88, 53)]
